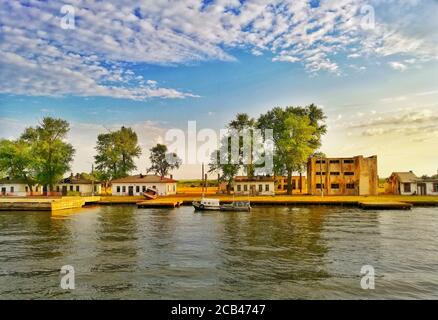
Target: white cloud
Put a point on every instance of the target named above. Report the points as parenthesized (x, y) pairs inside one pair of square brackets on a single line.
[(38, 57), (397, 66)]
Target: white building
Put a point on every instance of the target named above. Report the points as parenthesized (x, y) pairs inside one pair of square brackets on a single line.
[(259, 185), (138, 184), (78, 184), (407, 183), (17, 188)]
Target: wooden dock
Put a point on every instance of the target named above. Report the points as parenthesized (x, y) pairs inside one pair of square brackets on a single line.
[(395, 205), (159, 203)]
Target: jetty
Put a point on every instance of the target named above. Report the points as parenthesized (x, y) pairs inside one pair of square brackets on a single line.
[(160, 203), (45, 203)]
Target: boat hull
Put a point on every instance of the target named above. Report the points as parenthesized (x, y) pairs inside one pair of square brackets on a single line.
[(201, 207)]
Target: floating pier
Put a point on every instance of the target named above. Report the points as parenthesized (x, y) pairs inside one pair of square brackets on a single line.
[(161, 203), (45, 203), (385, 205)]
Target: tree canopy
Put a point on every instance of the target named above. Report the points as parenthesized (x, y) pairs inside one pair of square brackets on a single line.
[(52, 156), (162, 161), (116, 152)]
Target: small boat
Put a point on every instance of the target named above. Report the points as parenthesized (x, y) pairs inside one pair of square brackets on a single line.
[(236, 206), (206, 204), (150, 193)]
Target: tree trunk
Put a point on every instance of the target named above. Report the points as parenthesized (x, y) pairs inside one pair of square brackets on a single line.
[(289, 182), (301, 182)]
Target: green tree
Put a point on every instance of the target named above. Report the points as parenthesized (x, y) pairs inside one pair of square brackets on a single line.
[(116, 152), (297, 133), (162, 161), (52, 155), (17, 161), (222, 163), (243, 125)]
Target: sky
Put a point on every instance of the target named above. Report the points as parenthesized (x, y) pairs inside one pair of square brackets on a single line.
[(155, 65)]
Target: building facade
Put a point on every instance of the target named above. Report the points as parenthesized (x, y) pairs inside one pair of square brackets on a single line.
[(299, 184), (342, 176), (258, 185), (77, 184), (407, 183), (138, 184), (17, 188)]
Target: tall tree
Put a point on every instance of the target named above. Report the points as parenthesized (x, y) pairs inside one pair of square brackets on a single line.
[(52, 155), (244, 125), (222, 162), (162, 161), (115, 154), (297, 134), (17, 161)]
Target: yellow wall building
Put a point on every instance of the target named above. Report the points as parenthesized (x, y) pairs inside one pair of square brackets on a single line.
[(342, 176)]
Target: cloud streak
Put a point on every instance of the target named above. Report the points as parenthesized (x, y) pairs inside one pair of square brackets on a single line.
[(38, 57)]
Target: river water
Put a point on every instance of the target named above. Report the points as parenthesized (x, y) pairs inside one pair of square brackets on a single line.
[(121, 252)]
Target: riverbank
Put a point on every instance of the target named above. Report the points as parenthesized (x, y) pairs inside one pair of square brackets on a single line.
[(365, 202), (45, 203)]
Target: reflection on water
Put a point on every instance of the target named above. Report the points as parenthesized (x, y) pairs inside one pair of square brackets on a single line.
[(273, 252)]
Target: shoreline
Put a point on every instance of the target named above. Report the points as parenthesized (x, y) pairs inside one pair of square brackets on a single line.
[(380, 202)]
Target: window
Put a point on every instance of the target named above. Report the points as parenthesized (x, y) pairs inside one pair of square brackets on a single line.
[(318, 186), (260, 187), (319, 173), (279, 187), (435, 187), (26, 188), (294, 184), (57, 189), (12, 189), (319, 161), (407, 187), (77, 188), (348, 173), (335, 173), (349, 161), (137, 189), (266, 187), (95, 189), (143, 188), (239, 188), (350, 185), (335, 186), (245, 187), (118, 189), (124, 189), (334, 161), (174, 188), (71, 188)]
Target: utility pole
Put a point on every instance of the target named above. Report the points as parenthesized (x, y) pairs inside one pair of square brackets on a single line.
[(92, 179)]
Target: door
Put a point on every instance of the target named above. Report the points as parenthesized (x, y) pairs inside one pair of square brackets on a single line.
[(131, 190), (421, 189), (3, 191), (64, 190)]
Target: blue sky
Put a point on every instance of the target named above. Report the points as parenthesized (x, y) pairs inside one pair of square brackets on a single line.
[(372, 66)]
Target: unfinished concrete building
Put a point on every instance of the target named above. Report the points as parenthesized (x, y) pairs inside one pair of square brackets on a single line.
[(342, 176)]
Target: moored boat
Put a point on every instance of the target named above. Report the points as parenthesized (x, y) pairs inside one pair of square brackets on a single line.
[(206, 204), (236, 206)]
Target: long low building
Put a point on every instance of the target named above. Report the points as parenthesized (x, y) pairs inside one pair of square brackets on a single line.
[(342, 176), (407, 183), (14, 187), (258, 185), (138, 184), (78, 184)]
